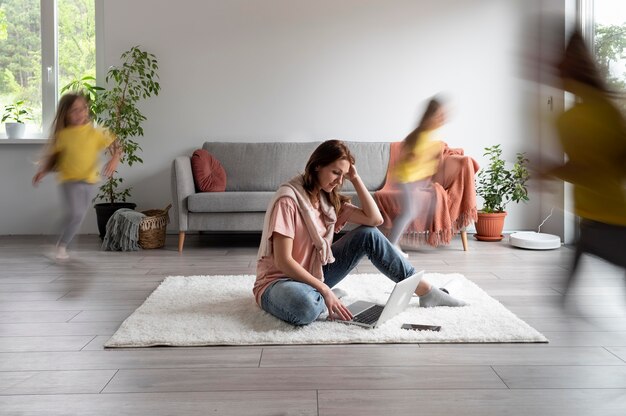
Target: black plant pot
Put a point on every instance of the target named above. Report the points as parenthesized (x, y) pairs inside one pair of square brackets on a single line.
[(105, 210)]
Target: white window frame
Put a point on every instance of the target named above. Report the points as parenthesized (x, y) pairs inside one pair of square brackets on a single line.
[(49, 63), (50, 67)]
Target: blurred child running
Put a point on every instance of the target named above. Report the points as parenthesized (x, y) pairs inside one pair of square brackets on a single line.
[(74, 153), (418, 162), (593, 136)]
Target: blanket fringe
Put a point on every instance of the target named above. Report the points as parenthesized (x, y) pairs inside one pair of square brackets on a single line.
[(465, 218)]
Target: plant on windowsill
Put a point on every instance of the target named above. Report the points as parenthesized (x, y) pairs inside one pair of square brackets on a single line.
[(116, 108), (14, 117), (498, 186)]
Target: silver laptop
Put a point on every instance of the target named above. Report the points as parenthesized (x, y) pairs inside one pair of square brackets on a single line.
[(371, 315)]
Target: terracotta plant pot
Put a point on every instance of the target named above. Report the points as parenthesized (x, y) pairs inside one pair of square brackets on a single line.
[(489, 226)]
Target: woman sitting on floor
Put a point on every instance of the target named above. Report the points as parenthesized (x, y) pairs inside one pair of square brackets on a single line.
[(298, 263)]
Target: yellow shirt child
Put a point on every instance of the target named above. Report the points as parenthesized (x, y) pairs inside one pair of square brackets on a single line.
[(592, 136), (422, 162), (78, 149)]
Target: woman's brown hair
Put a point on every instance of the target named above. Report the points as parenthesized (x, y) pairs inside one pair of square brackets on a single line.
[(326, 153)]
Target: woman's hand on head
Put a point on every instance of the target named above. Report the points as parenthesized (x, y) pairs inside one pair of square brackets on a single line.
[(352, 173)]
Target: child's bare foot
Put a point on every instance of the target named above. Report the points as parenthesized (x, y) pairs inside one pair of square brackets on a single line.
[(62, 253)]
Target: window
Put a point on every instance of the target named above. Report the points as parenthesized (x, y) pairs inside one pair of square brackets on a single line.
[(609, 42), (45, 44), (76, 40)]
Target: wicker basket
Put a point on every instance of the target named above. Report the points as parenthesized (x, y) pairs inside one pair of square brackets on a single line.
[(152, 228)]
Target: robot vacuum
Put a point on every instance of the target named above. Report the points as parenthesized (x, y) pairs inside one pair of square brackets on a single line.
[(531, 240)]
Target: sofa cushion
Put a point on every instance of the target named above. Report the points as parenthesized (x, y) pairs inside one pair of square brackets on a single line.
[(265, 166), (234, 201), (208, 173), (260, 166)]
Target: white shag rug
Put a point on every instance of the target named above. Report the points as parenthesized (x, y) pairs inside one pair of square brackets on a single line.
[(220, 310)]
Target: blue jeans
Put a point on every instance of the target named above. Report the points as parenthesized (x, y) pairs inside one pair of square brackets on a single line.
[(300, 304)]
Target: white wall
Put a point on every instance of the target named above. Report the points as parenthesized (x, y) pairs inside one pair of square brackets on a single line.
[(298, 70)]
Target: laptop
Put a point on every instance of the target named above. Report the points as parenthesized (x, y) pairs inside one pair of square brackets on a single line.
[(372, 315)]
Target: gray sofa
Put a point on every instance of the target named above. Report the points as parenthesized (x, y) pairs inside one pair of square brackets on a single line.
[(254, 171)]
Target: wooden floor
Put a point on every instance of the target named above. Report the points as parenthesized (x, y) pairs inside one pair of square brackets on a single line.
[(54, 319)]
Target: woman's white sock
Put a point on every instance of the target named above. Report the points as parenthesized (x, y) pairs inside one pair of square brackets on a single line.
[(437, 297)]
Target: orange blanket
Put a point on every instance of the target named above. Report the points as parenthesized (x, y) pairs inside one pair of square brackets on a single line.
[(451, 201)]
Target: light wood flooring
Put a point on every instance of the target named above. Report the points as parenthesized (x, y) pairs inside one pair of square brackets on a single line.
[(55, 318)]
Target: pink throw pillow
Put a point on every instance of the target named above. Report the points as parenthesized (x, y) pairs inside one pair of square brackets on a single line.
[(208, 173)]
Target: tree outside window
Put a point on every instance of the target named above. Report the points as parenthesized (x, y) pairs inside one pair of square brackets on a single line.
[(21, 58), (20, 61), (77, 40), (610, 44)]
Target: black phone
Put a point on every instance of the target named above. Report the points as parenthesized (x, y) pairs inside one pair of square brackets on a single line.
[(417, 327)]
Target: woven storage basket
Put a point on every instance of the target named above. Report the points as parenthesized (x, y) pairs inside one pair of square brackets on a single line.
[(152, 228)]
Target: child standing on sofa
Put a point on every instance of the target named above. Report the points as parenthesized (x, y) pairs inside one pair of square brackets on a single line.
[(74, 152), (418, 162), (298, 262)]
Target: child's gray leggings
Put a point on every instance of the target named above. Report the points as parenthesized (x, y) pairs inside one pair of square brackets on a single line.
[(77, 198)]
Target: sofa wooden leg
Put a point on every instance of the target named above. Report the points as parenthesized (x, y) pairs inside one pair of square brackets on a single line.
[(181, 241), (464, 239)]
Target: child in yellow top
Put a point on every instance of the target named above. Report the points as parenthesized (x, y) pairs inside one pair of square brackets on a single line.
[(593, 136), (418, 162), (74, 152)]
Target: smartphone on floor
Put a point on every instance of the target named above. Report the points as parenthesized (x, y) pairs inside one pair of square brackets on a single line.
[(417, 327)]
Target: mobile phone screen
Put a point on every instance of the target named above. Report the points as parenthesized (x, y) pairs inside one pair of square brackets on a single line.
[(417, 327)]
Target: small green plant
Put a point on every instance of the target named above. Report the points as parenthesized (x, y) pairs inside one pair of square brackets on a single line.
[(17, 112), (497, 185), (116, 109)]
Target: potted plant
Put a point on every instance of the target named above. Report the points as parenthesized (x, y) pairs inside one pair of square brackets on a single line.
[(498, 186), (116, 108), (15, 114)]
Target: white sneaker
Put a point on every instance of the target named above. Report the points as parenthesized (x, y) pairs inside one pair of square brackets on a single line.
[(402, 253)]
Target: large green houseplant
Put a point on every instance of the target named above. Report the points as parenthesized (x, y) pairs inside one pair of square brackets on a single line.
[(116, 108), (498, 186)]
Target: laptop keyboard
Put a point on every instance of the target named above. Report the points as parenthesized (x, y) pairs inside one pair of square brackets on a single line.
[(370, 315)]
